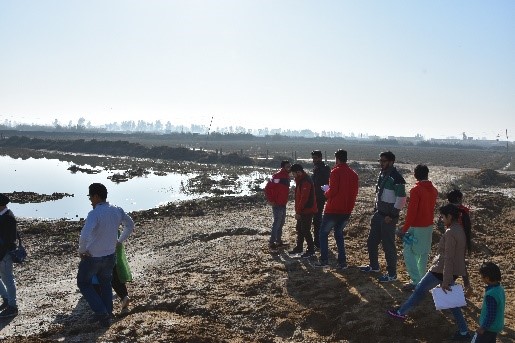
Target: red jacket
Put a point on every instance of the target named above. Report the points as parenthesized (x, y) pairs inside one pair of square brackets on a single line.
[(305, 199), (343, 190), (278, 188), (421, 205)]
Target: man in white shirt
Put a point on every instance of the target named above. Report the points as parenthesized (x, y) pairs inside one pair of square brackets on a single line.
[(97, 245)]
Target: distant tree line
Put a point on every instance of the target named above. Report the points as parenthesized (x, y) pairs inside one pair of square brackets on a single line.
[(124, 148)]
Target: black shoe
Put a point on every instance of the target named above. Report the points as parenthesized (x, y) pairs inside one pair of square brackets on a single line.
[(308, 254), (295, 251), (387, 278), (462, 338), (368, 269), (321, 264), (9, 311), (342, 266), (103, 319)]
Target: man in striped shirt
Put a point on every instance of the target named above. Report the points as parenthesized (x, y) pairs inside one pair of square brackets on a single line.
[(390, 199)]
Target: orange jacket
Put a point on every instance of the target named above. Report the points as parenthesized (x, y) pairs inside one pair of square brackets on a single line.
[(343, 190), (421, 205), (305, 200)]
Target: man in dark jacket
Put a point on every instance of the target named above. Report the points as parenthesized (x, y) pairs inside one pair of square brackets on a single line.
[(320, 177), (305, 206), (276, 192), (9, 307)]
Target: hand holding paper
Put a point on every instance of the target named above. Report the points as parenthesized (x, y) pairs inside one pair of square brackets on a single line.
[(452, 299)]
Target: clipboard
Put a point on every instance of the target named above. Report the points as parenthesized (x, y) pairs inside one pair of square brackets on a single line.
[(455, 298)]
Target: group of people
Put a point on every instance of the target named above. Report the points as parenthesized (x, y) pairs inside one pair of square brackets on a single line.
[(97, 273), (326, 200)]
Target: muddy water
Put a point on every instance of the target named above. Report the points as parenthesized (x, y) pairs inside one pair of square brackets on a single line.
[(46, 176)]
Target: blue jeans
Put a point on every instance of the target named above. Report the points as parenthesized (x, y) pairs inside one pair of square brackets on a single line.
[(102, 267), (337, 222), (382, 233), (428, 282), (277, 227), (7, 284)]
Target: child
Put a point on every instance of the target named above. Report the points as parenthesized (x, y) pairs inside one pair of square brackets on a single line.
[(448, 264), (491, 320)]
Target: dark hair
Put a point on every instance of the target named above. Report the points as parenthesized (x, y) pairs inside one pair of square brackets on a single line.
[(491, 271), (98, 189), (455, 196), (316, 153), (467, 227), (4, 199), (284, 162), (421, 172), (388, 155), (450, 209), (296, 167), (341, 155)]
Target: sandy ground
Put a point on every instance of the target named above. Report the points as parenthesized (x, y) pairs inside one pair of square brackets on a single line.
[(206, 275)]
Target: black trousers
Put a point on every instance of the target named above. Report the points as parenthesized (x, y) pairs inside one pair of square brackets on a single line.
[(317, 220), (303, 229), (118, 286)]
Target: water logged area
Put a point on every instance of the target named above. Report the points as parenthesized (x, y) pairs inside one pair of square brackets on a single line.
[(46, 176)]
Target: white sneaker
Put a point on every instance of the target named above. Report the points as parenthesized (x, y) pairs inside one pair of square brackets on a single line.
[(124, 303)]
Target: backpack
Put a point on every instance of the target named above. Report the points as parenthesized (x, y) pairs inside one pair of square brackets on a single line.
[(19, 254)]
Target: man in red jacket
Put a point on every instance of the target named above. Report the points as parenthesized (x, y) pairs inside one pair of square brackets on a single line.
[(276, 192), (417, 230), (341, 196), (305, 207)]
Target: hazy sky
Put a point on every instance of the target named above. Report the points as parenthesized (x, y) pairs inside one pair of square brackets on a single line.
[(438, 68)]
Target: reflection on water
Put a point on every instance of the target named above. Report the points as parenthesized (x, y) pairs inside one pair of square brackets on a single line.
[(46, 176)]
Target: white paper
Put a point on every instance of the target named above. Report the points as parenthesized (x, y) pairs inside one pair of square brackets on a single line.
[(455, 298)]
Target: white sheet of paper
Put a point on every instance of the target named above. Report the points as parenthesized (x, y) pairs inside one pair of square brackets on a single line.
[(455, 298)]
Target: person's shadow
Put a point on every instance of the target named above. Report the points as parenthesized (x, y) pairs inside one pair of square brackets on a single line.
[(5, 322), (79, 321), (314, 288)]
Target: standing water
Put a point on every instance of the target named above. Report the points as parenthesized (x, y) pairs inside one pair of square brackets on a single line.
[(46, 176)]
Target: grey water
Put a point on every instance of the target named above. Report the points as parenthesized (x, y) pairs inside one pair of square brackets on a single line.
[(46, 176)]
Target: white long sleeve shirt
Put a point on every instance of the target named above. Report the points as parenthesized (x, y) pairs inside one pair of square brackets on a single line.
[(99, 234)]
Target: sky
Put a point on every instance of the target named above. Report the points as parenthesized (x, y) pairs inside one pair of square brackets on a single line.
[(389, 68)]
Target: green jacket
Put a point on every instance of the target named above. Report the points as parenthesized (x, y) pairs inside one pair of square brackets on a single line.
[(496, 292)]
